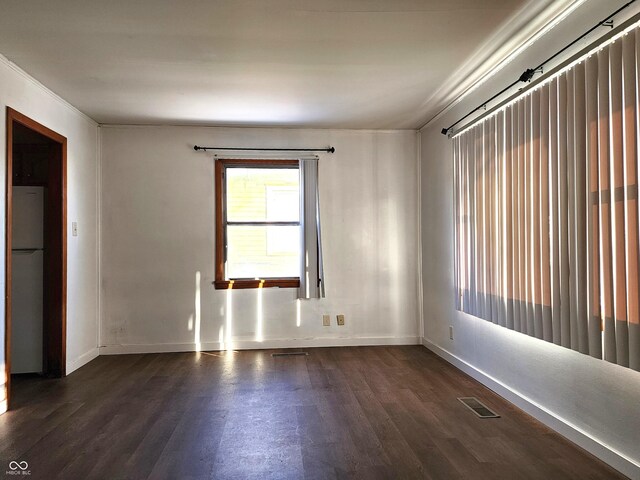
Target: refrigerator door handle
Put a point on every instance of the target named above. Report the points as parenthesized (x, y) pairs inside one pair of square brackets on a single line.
[(25, 251)]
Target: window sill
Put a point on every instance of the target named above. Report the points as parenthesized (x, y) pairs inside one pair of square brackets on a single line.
[(293, 282)]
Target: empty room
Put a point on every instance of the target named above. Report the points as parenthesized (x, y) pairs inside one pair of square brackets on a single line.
[(320, 239)]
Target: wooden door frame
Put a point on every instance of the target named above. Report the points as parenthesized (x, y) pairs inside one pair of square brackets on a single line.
[(60, 280)]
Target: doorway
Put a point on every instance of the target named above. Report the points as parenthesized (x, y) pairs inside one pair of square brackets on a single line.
[(35, 315)]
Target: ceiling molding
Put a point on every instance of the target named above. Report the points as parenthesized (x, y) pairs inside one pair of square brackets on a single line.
[(9, 64), (517, 34)]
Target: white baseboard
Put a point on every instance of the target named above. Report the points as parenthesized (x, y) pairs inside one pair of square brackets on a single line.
[(571, 432), (82, 360), (246, 344)]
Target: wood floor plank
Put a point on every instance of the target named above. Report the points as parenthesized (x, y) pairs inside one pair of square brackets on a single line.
[(338, 413)]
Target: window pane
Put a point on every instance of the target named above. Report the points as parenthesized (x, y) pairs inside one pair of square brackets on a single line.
[(262, 252), (262, 194)]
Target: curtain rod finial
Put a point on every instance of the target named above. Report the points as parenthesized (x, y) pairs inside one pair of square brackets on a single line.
[(332, 150), (444, 131)]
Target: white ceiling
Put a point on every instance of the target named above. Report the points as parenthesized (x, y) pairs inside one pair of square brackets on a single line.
[(320, 63)]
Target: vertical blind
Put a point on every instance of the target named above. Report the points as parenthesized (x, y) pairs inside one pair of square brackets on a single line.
[(546, 201)]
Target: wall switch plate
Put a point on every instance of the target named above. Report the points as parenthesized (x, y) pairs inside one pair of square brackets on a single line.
[(326, 320), (340, 319), (74, 229), (450, 332)]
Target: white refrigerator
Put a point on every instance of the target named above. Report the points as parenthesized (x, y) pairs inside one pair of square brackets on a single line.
[(27, 279)]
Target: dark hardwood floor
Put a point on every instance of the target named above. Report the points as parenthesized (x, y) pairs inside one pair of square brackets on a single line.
[(365, 412)]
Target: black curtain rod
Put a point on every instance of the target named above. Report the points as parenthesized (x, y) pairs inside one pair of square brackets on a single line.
[(528, 74), (328, 149)]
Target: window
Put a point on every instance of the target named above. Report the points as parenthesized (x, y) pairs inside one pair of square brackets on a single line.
[(257, 223), (546, 196)]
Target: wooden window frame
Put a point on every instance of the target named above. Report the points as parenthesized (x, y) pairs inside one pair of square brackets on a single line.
[(220, 282)]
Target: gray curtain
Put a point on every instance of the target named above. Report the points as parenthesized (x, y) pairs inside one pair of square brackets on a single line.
[(311, 271)]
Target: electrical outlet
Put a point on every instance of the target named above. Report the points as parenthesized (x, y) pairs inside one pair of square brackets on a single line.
[(326, 320), (340, 319), (450, 332)]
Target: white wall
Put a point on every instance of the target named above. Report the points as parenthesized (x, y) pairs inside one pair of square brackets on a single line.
[(22, 93), (158, 243), (593, 402)]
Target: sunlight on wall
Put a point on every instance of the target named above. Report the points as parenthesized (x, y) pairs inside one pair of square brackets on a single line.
[(221, 337), (229, 312), (3, 382), (298, 319), (196, 333), (259, 313)]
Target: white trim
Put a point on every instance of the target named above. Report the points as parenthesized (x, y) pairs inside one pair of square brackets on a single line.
[(82, 360), (5, 61), (99, 236), (419, 223), (581, 438), (544, 23), (245, 344)]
